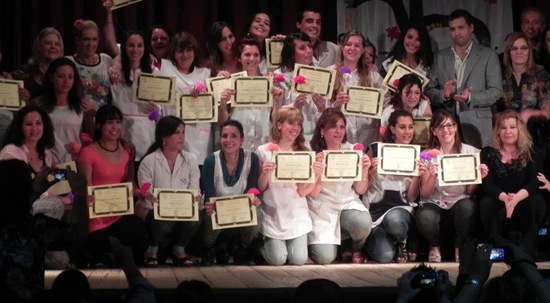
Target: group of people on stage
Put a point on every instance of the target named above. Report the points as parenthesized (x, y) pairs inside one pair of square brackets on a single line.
[(80, 108)]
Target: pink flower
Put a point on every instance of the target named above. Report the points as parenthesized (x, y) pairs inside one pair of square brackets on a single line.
[(75, 147), (279, 78), (77, 22), (359, 146), (382, 131), (300, 79), (200, 87), (145, 188), (272, 146), (153, 116), (253, 191), (434, 152), (395, 83), (86, 139)]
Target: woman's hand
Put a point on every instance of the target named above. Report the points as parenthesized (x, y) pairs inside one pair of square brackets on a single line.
[(90, 200), (432, 168), (225, 95), (484, 170), (511, 204), (319, 102), (256, 202), (224, 73), (545, 182), (108, 5), (88, 107), (300, 100), (341, 99), (374, 167), (365, 164), (152, 106), (268, 168), (209, 208), (422, 167), (24, 94), (277, 93)]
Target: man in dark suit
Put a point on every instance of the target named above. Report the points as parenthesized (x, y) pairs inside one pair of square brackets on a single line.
[(466, 79), (532, 24)]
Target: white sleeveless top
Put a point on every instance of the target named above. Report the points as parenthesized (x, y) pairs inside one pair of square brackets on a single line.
[(222, 189)]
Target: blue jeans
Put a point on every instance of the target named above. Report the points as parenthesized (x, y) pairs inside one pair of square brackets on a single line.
[(393, 229), (277, 252)]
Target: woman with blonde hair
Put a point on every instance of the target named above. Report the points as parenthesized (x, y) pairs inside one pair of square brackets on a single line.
[(511, 208)]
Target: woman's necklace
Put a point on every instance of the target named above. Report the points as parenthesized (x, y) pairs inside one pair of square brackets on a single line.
[(109, 150)]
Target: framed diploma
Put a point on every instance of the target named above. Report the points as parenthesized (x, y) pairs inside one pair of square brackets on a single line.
[(176, 205), (458, 169), (111, 200), (421, 130), (273, 50), (317, 80), (9, 95), (397, 70), (217, 85), (159, 89), (293, 167), (398, 159), (234, 211), (252, 91), (342, 165), (200, 109), (364, 102), (122, 3)]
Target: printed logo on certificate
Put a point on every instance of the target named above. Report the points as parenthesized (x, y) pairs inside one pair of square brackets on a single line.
[(216, 85), (111, 200), (9, 95), (421, 130), (317, 80), (398, 70), (273, 50), (458, 169), (364, 102), (121, 3), (233, 212), (342, 165), (293, 167), (200, 109), (149, 87), (398, 159), (252, 91), (176, 205)]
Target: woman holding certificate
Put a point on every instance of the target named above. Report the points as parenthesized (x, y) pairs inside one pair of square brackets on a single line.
[(108, 161), (391, 197), (285, 216), (444, 204), (166, 165), (334, 205), (228, 172), (511, 208), (297, 50), (352, 72), (408, 97)]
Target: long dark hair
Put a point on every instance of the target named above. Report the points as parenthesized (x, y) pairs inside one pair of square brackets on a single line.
[(329, 118), (166, 126), (144, 64), (438, 117), (14, 133), (389, 137), (288, 51), (424, 55), (49, 98), (407, 80), (215, 56), (104, 114), (247, 33)]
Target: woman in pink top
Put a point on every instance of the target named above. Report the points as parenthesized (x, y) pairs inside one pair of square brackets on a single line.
[(109, 161)]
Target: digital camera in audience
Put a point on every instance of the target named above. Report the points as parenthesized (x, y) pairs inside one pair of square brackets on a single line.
[(425, 280)]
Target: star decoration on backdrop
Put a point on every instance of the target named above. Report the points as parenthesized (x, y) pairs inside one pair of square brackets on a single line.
[(392, 32)]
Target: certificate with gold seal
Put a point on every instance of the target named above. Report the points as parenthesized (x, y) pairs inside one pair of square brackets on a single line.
[(293, 167), (111, 200), (273, 48), (398, 159), (316, 80), (9, 95), (122, 3), (421, 130), (159, 89), (216, 85), (342, 165), (200, 109), (398, 70), (233, 211), (252, 91), (458, 169), (176, 204), (364, 102)]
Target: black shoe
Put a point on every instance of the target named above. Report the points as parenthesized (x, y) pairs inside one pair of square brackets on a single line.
[(209, 256), (242, 256)]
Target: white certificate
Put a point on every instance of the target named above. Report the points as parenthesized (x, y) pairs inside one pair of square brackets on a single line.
[(176, 204), (398, 159), (216, 85), (9, 95), (122, 3), (364, 102), (421, 130), (317, 80), (149, 87), (111, 200), (398, 70), (200, 109), (293, 167), (458, 169), (273, 50), (252, 91), (342, 165), (233, 211)]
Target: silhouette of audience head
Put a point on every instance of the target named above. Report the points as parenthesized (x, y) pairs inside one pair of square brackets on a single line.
[(318, 291)]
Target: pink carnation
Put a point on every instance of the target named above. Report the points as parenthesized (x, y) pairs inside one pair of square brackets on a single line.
[(75, 147), (434, 152), (253, 191), (300, 79), (359, 146), (382, 131), (395, 83), (86, 139), (200, 87), (77, 22), (145, 188), (279, 78), (272, 146)]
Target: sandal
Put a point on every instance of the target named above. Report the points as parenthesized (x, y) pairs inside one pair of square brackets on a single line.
[(401, 255), (151, 262), (184, 262), (434, 256)]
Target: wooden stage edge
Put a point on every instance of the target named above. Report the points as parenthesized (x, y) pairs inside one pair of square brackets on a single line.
[(266, 277)]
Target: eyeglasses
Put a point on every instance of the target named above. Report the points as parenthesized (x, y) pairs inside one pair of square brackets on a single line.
[(445, 127), (521, 48)]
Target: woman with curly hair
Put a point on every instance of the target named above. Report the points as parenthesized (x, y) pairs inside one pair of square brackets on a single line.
[(413, 48)]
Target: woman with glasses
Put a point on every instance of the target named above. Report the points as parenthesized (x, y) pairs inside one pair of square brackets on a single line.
[(525, 86), (443, 203)]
